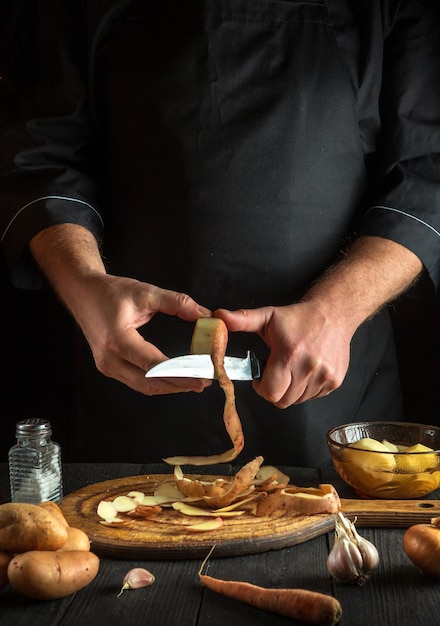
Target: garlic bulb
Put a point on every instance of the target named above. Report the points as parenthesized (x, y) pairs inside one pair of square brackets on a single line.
[(352, 557)]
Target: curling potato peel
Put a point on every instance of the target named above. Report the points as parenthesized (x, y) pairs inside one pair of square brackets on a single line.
[(211, 337)]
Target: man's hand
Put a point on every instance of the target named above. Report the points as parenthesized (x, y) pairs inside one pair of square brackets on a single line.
[(110, 309), (114, 308), (309, 342), (309, 354)]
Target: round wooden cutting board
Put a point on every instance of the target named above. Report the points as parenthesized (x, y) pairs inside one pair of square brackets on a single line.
[(168, 539)]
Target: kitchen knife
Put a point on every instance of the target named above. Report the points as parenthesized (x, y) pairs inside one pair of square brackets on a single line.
[(200, 366)]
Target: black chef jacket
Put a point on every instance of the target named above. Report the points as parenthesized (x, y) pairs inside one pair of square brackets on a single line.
[(229, 149)]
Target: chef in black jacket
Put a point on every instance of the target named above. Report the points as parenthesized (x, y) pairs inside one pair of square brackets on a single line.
[(277, 161)]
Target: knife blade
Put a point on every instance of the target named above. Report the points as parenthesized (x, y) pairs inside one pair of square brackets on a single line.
[(200, 366)]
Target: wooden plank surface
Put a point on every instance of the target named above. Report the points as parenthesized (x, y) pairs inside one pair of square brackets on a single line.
[(248, 534), (395, 595)]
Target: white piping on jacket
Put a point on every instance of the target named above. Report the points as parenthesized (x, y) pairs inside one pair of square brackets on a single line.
[(389, 208), (48, 198)]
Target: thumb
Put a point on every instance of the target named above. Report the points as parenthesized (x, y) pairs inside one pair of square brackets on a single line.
[(245, 320)]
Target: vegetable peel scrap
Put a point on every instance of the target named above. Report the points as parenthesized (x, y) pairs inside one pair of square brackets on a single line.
[(242, 493), (211, 337)]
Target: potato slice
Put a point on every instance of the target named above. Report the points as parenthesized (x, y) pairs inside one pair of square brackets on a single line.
[(107, 511), (117, 523), (137, 496), (196, 511), (211, 524), (270, 473), (270, 478), (168, 492), (123, 504), (241, 503)]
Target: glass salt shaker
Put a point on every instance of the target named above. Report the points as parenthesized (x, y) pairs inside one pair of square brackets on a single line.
[(35, 471)]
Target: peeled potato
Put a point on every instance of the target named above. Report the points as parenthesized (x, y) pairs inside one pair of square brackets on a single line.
[(210, 336), (413, 463), (374, 462)]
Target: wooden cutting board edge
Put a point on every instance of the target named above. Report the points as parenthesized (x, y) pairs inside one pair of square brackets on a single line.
[(238, 536)]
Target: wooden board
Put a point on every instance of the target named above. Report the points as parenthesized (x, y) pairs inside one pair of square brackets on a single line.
[(146, 539)]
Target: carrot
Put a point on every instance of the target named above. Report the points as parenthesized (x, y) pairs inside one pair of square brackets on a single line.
[(299, 604)]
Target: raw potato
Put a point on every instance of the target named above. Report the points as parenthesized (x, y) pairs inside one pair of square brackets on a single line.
[(76, 540), (53, 508), (46, 575), (210, 336), (384, 462), (5, 557), (25, 527)]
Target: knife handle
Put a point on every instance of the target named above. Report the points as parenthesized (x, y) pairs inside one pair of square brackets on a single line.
[(257, 366)]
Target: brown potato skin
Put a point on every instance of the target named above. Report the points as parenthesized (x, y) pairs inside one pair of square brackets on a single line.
[(76, 540), (25, 527), (47, 575), (5, 558), (53, 508)]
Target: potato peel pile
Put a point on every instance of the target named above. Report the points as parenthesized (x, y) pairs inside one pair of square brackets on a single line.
[(202, 505)]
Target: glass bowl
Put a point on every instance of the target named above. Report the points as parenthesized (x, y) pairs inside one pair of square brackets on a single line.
[(386, 470)]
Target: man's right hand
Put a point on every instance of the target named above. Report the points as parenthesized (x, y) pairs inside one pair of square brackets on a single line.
[(109, 309)]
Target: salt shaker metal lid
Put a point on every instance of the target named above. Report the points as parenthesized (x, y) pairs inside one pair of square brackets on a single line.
[(34, 426)]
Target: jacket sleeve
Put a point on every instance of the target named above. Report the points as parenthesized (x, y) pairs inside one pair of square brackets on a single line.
[(47, 164), (406, 202)]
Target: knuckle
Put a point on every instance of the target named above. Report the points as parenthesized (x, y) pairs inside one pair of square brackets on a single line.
[(183, 299)]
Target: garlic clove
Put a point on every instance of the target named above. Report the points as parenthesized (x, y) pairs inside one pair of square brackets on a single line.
[(370, 555), (136, 578)]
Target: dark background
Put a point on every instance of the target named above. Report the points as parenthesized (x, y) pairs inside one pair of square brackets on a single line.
[(36, 339), (35, 342)]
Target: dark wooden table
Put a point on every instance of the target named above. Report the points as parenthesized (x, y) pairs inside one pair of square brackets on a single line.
[(395, 595)]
